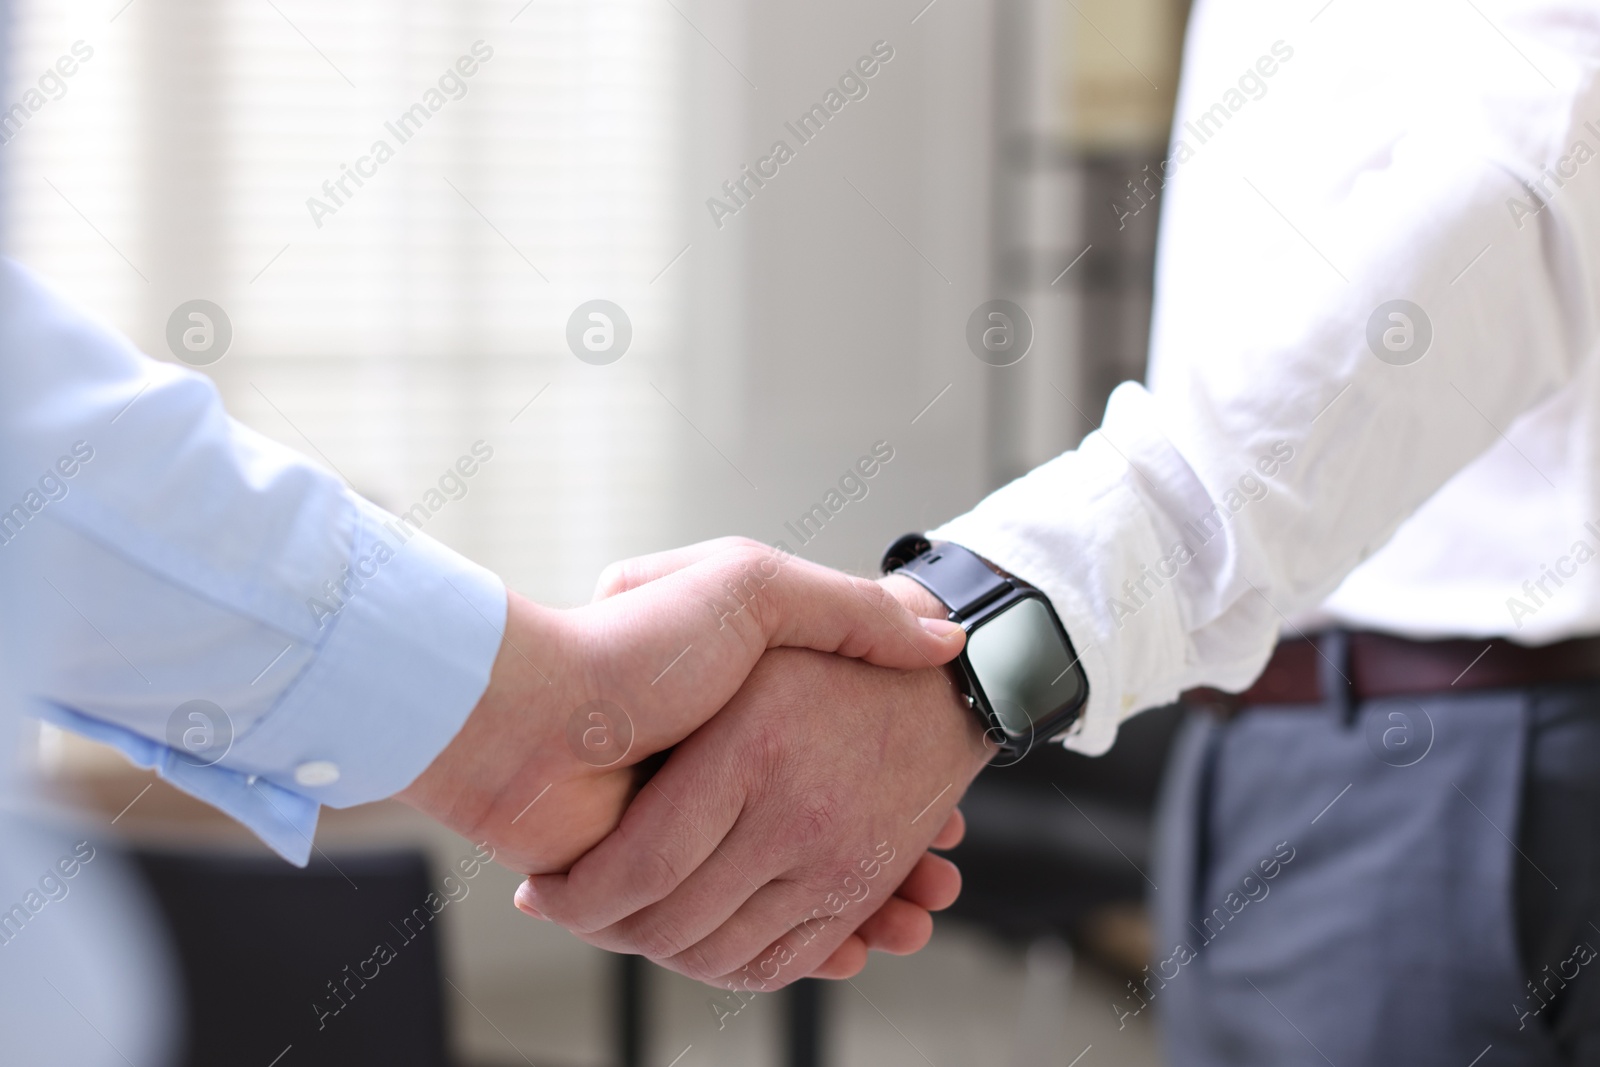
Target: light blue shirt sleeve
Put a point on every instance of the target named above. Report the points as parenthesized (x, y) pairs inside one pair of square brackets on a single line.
[(209, 602)]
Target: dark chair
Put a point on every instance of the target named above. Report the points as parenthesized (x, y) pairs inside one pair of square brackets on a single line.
[(279, 962)]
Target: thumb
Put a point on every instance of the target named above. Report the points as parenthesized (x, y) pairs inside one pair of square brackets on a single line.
[(626, 574), (795, 603), (679, 647)]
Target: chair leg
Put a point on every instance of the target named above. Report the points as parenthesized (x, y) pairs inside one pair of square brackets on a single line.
[(1041, 1031), (806, 1018), (632, 1026)]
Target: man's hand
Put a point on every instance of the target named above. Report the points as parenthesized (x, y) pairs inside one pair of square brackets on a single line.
[(547, 761), (782, 825)]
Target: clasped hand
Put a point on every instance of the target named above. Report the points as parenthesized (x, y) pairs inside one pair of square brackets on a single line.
[(733, 762)]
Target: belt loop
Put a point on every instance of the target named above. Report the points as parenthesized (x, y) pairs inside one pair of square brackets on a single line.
[(1333, 674)]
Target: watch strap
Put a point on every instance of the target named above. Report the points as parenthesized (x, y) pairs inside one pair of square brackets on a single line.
[(957, 576)]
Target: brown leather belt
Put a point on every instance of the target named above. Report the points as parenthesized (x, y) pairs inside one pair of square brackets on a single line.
[(1380, 665)]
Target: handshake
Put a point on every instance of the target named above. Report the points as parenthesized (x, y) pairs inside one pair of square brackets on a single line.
[(732, 762)]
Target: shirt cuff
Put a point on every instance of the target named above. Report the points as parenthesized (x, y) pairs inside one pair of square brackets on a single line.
[(284, 820), (1084, 528), (1014, 552), (411, 632)]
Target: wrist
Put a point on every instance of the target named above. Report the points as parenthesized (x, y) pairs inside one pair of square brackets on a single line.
[(454, 787), (512, 750)]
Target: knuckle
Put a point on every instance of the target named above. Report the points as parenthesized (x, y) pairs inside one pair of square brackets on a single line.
[(771, 755), (657, 937), (656, 873), (875, 594), (868, 588), (743, 555), (697, 963), (752, 560), (736, 552), (570, 908), (747, 574), (612, 579), (879, 602)]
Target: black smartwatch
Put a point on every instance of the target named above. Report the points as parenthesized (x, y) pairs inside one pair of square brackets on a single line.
[(1018, 669)]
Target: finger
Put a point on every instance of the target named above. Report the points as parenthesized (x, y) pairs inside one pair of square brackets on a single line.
[(954, 829), (933, 884), (743, 948), (626, 574), (680, 818), (705, 900), (899, 933), (662, 840), (847, 960), (898, 928), (774, 598), (523, 899), (809, 916)]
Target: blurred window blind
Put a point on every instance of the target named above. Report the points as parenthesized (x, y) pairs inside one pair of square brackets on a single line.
[(430, 305)]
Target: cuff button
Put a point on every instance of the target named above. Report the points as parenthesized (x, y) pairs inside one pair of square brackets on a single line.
[(316, 772)]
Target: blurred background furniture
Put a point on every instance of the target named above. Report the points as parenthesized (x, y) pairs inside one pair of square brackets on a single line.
[(278, 962)]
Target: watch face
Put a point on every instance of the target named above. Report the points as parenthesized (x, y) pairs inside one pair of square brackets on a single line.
[(1025, 665)]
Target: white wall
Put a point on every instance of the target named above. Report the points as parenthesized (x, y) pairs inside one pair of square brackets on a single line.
[(818, 329)]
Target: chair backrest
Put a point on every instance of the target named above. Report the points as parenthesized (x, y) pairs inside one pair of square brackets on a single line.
[(339, 961)]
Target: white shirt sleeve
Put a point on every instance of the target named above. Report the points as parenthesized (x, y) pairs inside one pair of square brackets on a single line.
[(159, 562), (1396, 152)]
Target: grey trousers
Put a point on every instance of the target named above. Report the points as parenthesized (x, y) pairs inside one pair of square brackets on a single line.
[(1402, 881)]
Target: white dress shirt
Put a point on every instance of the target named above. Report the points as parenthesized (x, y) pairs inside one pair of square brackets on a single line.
[(1329, 158), (153, 552)]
